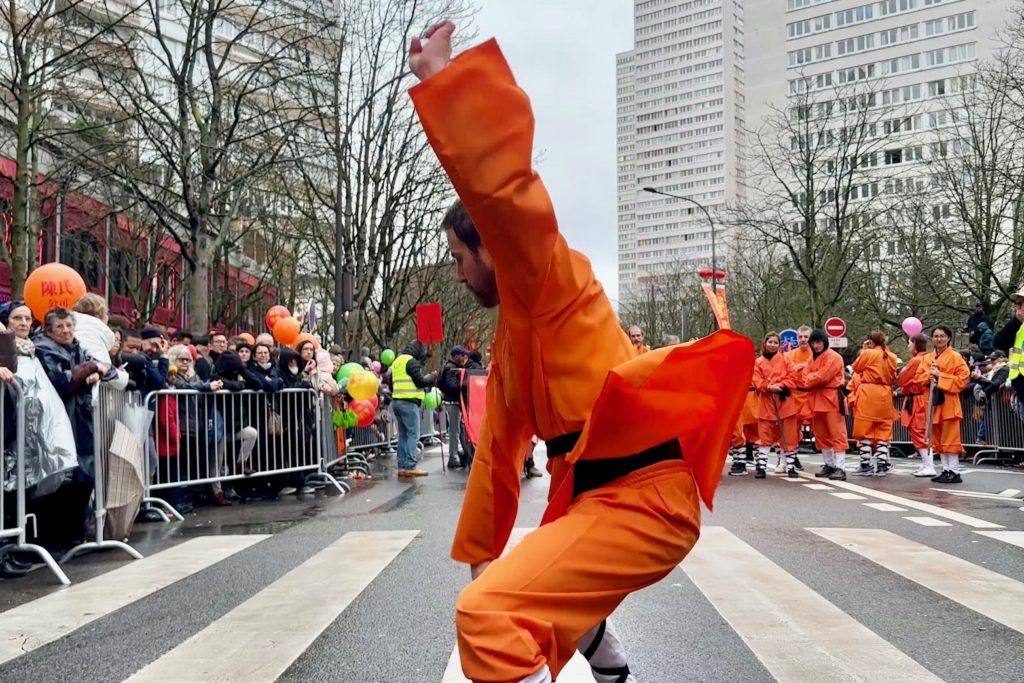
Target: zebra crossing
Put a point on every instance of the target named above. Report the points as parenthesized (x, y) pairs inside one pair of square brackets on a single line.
[(765, 603)]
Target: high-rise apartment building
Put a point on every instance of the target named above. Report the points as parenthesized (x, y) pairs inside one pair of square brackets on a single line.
[(680, 131)]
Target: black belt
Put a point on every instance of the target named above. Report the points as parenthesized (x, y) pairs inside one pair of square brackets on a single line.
[(562, 445), (592, 474)]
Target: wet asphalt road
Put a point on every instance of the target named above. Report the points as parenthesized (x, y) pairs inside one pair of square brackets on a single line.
[(400, 627)]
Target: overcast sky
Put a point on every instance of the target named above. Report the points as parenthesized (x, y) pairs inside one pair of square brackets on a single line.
[(563, 54)]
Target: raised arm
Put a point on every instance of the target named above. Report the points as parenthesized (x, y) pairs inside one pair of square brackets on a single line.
[(480, 124)]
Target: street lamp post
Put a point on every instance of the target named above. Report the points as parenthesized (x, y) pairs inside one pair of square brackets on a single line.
[(707, 214)]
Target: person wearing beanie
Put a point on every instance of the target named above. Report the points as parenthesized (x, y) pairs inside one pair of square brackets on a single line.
[(873, 413), (823, 377), (778, 418)]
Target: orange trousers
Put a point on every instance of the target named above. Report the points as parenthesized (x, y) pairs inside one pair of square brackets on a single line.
[(830, 431), (946, 439), (768, 433), (917, 436), (531, 607), (743, 434), (872, 430)]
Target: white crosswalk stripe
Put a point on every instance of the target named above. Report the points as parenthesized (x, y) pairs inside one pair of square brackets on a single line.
[(767, 606), (248, 643), (34, 624), (761, 602), (996, 596)]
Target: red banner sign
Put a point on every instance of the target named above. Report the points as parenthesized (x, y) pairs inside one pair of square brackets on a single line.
[(429, 328)]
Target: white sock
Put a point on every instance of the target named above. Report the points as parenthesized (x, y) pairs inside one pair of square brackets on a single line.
[(541, 676), (954, 463), (944, 459), (828, 455), (607, 654), (839, 460), (927, 458)]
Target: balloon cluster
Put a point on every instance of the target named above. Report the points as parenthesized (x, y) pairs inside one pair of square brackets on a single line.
[(362, 386)]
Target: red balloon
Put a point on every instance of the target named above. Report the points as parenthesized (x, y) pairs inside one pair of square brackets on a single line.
[(375, 400), (719, 274), (705, 273), (365, 412), (52, 285), (275, 314), (286, 330)]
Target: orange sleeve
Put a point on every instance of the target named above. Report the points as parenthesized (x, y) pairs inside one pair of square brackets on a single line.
[(789, 380), (492, 493), (924, 370), (480, 124), (953, 374), (861, 361), (759, 380), (824, 375)]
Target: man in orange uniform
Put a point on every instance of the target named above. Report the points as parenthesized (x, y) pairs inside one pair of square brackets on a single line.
[(950, 373), (873, 412), (915, 403), (800, 356), (774, 380), (628, 467), (823, 376)]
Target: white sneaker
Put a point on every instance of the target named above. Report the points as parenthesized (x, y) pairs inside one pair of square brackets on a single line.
[(925, 472), (780, 468), (287, 491)]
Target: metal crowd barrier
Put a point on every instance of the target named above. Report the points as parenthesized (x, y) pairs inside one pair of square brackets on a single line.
[(1004, 425), (16, 529), (209, 438), (111, 406)]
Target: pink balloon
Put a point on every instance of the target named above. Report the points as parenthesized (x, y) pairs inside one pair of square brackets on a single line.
[(912, 326), (376, 366)]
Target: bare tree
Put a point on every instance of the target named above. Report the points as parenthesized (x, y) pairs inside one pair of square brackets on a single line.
[(215, 91), (977, 167), (53, 52), (375, 202), (813, 189)]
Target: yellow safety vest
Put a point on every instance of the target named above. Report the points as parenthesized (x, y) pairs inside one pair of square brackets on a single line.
[(1017, 355), (402, 385)]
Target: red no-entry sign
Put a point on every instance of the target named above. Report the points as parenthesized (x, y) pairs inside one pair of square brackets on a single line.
[(835, 327)]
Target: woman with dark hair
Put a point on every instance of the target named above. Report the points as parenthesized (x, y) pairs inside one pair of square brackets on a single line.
[(774, 380), (945, 370), (915, 402), (873, 412)]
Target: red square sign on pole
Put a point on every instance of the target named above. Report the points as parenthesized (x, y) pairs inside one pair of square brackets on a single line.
[(429, 328)]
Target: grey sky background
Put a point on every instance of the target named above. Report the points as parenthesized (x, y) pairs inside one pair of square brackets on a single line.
[(563, 55)]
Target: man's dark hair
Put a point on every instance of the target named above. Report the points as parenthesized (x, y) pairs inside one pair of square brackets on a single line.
[(458, 221), (53, 315)]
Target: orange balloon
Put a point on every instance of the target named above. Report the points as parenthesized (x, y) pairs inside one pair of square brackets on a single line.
[(249, 339), (53, 285), (306, 336), (286, 330)]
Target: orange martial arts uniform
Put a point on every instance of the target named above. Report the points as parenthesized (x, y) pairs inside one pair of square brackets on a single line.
[(914, 414), (564, 369), (873, 411), (947, 415), (801, 356), (777, 370), (823, 376)]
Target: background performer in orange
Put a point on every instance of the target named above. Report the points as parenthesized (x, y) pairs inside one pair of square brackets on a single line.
[(744, 438), (914, 414), (628, 467), (774, 379), (823, 376), (951, 374), (873, 413), (800, 356)]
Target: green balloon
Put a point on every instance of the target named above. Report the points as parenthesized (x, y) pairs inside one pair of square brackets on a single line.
[(432, 399), (338, 419), (349, 419), (387, 357), (346, 370)]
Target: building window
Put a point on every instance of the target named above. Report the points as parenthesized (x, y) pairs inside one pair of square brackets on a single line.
[(82, 252)]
